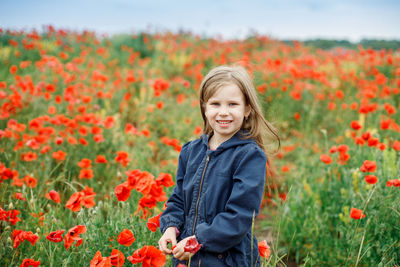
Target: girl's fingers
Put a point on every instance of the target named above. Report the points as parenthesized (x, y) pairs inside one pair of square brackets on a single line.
[(164, 246)]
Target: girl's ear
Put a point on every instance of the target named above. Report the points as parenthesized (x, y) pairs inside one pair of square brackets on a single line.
[(247, 111)]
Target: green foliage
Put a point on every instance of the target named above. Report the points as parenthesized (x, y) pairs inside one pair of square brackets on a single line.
[(311, 95)]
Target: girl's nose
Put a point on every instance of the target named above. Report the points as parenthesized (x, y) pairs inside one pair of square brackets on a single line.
[(223, 111)]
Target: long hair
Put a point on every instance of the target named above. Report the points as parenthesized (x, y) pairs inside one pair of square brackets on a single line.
[(255, 124)]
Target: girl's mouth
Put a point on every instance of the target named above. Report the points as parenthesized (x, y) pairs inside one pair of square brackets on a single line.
[(224, 122)]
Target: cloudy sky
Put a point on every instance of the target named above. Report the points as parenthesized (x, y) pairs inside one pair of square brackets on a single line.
[(282, 19)]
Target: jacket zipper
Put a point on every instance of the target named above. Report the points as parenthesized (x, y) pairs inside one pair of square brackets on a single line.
[(198, 197)]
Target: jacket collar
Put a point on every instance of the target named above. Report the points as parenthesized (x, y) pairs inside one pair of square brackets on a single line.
[(236, 140)]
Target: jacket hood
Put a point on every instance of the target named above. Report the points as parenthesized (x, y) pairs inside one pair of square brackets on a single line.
[(237, 139)]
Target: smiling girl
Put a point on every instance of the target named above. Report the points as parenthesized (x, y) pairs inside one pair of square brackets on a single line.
[(220, 177)]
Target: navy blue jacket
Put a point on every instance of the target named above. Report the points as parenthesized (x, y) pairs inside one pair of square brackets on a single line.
[(214, 199)]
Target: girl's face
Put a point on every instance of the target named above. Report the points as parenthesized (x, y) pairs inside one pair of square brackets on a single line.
[(225, 111)]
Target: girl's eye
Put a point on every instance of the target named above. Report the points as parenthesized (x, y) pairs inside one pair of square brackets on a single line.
[(233, 104), (214, 104)]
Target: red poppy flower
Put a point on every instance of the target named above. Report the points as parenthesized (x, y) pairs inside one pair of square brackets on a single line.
[(154, 222), (368, 166), (144, 182), (165, 179), (59, 140), (117, 258), (101, 159), (263, 249), (19, 196), (157, 192), (356, 214), (86, 174), (99, 261), (359, 141), (29, 262), (126, 238), (122, 158), (54, 195), (29, 156), (366, 136), (10, 216), (84, 197), (395, 183), (85, 163), (56, 236), (73, 235), (122, 191), (13, 69), (325, 159), (30, 181), (343, 148), (396, 145), (192, 246), (149, 256), (373, 141), (59, 155), (371, 179), (356, 125), (74, 202), (19, 236)]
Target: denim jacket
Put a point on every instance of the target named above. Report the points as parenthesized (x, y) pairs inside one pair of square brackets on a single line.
[(216, 194)]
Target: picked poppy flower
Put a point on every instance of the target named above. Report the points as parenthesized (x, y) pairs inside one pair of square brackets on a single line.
[(356, 214), (29, 262), (117, 258), (126, 238), (53, 195), (73, 235), (56, 236), (264, 249), (149, 256), (192, 246), (368, 166), (100, 261), (371, 179), (325, 159)]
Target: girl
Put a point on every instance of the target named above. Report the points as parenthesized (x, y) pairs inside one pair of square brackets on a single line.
[(220, 177)]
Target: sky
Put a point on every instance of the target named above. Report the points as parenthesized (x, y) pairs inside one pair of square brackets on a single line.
[(280, 19)]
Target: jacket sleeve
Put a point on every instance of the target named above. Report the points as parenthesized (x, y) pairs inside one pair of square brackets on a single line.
[(228, 228), (173, 215)]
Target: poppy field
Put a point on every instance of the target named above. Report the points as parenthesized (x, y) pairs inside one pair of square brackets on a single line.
[(91, 128)]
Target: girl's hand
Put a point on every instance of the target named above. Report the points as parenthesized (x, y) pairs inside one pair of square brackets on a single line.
[(179, 251), (169, 236)]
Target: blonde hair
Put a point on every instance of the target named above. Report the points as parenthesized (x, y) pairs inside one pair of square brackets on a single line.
[(255, 123)]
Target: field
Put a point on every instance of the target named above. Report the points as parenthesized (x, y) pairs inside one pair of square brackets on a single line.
[(91, 128)]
